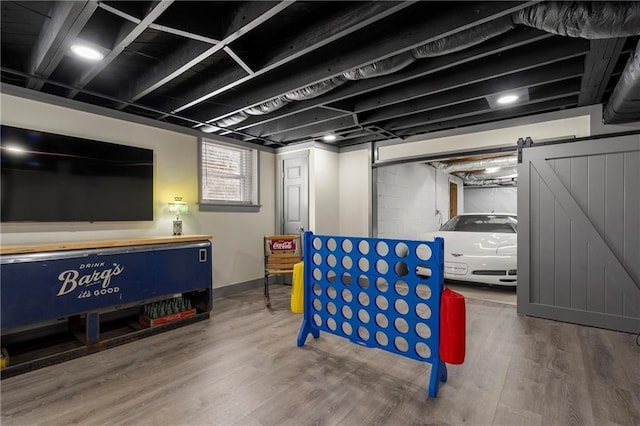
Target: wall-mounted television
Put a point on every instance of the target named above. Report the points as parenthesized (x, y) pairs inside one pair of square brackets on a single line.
[(47, 177)]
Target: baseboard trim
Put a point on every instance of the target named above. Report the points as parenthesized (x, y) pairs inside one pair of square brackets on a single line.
[(232, 289)]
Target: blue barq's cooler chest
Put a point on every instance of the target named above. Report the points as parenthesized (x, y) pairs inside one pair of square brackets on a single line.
[(44, 286)]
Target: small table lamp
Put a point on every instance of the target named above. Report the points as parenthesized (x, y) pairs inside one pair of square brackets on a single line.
[(178, 206)]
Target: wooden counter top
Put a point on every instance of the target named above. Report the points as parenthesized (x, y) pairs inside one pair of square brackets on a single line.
[(80, 245)]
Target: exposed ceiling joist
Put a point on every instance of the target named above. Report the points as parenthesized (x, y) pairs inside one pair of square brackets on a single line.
[(316, 130), (316, 36), (524, 79), (599, 64), (518, 111), (419, 69), (363, 139), (57, 34), (246, 19), (320, 34), (305, 119), (279, 72), (489, 68), (469, 83), (128, 34), (480, 106), (164, 28), (430, 27), (192, 53)]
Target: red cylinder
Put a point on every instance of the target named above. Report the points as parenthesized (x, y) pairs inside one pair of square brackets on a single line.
[(452, 327)]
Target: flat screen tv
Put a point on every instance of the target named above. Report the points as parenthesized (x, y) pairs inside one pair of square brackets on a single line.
[(47, 177)]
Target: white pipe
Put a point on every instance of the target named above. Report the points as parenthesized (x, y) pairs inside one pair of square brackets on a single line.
[(505, 172), (479, 164), (490, 182)]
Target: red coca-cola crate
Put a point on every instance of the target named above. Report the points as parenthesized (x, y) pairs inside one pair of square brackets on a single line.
[(148, 322)]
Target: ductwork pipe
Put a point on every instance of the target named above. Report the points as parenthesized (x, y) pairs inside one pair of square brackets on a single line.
[(453, 43), (502, 173), (267, 107), (464, 39), (624, 103), (492, 182), (478, 164), (590, 20), (383, 67), (314, 90), (231, 120), (443, 46)]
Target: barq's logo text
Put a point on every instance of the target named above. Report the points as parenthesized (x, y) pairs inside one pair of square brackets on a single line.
[(71, 278)]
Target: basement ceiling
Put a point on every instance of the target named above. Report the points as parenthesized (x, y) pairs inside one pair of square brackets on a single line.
[(280, 73), (498, 169)]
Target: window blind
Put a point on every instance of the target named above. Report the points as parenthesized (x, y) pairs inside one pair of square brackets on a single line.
[(228, 174)]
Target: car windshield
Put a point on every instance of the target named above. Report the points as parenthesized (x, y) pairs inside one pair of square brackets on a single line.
[(482, 223)]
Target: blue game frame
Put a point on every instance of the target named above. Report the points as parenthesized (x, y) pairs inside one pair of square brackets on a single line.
[(377, 293)]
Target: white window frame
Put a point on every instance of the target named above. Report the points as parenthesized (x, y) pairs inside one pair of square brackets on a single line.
[(250, 205)]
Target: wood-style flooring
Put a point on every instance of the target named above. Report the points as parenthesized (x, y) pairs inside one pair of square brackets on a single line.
[(242, 367)]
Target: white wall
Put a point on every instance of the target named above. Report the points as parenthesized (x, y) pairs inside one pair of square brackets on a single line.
[(237, 237), (324, 212), (406, 196), (355, 193), (485, 200), (340, 184), (412, 199)]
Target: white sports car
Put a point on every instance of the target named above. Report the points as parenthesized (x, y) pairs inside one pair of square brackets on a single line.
[(480, 248)]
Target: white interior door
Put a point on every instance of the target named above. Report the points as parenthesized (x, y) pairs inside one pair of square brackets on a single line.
[(295, 183)]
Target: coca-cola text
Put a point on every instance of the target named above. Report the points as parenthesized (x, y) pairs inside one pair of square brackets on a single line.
[(282, 245)]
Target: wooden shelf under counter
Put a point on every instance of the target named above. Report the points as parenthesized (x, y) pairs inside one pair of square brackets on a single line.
[(68, 299)]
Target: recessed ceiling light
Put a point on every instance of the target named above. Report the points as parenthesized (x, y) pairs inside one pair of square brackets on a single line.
[(86, 52), (507, 99), (329, 138)]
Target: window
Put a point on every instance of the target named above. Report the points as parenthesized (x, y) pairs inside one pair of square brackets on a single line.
[(228, 177)]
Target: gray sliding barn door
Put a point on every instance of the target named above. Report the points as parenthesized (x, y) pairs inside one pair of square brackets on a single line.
[(579, 232)]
